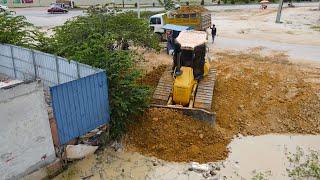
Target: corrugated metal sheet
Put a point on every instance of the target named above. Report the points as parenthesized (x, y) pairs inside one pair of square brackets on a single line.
[(23, 64), (68, 70), (85, 70), (6, 66), (80, 106), (46, 68)]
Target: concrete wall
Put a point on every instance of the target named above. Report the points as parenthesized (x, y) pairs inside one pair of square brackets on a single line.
[(25, 137)]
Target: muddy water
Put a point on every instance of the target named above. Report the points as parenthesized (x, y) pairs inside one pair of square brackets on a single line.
[(110, 165), (249, 156), (265, 153)]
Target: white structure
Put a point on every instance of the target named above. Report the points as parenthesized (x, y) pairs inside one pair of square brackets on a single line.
[(25, 135)]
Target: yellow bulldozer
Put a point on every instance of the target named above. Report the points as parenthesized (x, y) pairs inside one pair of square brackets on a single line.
[(189, 85)]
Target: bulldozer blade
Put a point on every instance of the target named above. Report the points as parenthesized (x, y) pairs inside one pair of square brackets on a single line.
[(195, 113)]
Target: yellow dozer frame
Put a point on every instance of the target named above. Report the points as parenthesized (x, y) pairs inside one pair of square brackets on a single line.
[(184, 92)]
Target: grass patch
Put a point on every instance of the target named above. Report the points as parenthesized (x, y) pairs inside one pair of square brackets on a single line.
[(304, 165)]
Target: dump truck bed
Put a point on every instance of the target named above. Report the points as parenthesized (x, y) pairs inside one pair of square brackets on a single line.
[(198, 21)]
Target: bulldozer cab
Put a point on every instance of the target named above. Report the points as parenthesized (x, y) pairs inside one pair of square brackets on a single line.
[(190, 51)]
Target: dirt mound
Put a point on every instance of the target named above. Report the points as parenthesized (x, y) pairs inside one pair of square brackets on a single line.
[(152, 78), (190, 9), (169, 135), (254, 95)]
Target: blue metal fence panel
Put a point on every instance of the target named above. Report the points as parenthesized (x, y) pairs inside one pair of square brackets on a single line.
[(80, 106)]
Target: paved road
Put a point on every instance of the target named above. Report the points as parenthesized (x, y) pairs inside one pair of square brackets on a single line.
[(39, 16), (294, 51), (236, 7)]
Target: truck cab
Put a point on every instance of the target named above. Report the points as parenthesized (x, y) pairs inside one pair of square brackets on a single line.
[(157, 23)]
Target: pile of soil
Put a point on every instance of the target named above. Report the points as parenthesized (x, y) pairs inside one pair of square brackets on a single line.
[(170, 135), (190, 9), (152, 78), (257, 95), (254, 95)]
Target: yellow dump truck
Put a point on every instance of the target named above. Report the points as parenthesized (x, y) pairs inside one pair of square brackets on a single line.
[(197, 17)]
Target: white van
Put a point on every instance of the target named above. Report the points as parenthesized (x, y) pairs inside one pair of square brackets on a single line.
[(157, 23), (4, 8)]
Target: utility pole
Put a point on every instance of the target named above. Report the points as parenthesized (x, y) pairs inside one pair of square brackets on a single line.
[(279, 11), (138, 6)]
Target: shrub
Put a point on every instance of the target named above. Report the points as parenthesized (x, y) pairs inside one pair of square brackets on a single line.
[(98, 40), (16, 30)]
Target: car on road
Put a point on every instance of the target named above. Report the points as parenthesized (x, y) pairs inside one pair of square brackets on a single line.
[(57, 8), (4, 8)]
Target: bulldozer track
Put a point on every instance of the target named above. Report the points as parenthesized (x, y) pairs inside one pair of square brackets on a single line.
[(203, 98), (205, 89), (163, 89)]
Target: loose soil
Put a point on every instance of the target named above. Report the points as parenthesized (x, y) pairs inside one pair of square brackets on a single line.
[(152, 78), (254, 95), (172, 136), (190, 9), (257, 95)]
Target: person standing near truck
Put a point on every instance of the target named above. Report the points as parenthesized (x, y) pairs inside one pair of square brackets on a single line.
[(213, 32), (170, 41)]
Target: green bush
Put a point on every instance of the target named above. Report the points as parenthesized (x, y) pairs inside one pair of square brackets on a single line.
[(146, 14), (98, 40), (16, 30), (168, 4)]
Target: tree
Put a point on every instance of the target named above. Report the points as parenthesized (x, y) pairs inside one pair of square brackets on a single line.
[(100, 40), (17, 31), (97, 40), (161, 3), (168, 4)]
